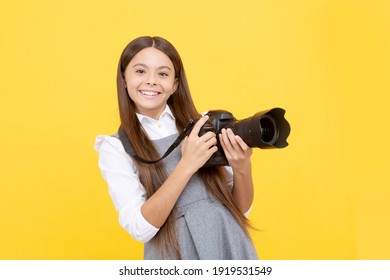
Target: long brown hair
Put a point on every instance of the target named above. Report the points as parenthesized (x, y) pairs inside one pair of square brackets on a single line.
[(183, 108)]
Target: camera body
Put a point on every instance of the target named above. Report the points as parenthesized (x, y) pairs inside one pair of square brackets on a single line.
[(266, 129)]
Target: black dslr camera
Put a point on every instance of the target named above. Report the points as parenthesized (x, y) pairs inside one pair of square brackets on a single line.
[(265, 130)]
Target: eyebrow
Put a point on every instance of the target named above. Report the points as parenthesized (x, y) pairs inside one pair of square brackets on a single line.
[(144, 65)]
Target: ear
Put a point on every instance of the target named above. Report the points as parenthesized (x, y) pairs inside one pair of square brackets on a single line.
[(124, 80), (175, 85)]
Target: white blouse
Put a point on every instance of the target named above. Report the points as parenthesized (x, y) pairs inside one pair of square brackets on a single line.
[(121, 175)]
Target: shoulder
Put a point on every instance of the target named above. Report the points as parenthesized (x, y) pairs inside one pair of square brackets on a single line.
[(112, 154), (111, 147), (104, 142)]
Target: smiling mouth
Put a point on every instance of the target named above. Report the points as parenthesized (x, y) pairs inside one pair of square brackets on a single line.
[(149, 93)]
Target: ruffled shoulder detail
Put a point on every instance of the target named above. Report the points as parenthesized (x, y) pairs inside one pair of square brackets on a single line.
[(102, 140)]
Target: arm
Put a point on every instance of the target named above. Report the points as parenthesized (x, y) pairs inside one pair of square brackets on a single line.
[(125, 189), (139, 216), (195, 152), (238, 154)]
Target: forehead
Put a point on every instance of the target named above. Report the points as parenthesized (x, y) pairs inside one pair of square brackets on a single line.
[(151, 57)]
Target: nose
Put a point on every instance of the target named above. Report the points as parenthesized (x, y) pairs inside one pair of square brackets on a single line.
[(151, 81)]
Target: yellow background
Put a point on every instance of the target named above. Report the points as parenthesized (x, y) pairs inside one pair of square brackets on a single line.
[(326, 62)]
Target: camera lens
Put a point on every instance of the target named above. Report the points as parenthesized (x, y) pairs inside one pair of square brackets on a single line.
[(265, 129), (269, 130)]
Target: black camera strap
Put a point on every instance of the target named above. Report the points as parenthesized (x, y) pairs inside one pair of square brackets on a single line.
[(130, 149)]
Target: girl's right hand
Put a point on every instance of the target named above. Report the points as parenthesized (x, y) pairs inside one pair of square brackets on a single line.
[(197, 150)]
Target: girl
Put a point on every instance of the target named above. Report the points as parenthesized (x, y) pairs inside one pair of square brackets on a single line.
[(177, 208)]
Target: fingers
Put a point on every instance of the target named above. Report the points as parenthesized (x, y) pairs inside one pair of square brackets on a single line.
[(241, 142), (198, 125), (207, 135), (203, 143), (233, 145), (196, 150), (232, 141), (229, 139)]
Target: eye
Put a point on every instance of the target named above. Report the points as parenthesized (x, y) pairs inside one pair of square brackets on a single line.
[(140, 71), (163, 74)]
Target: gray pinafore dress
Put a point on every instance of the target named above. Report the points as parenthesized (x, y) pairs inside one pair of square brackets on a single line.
[(206, 229)]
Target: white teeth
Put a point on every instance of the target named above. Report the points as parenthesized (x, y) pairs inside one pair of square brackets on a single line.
[(149, 93)]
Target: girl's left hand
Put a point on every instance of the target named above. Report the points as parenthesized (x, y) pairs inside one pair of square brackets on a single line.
[(237, 152)]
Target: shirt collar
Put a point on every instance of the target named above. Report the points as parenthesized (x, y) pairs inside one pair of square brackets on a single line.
[(166, 113)]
